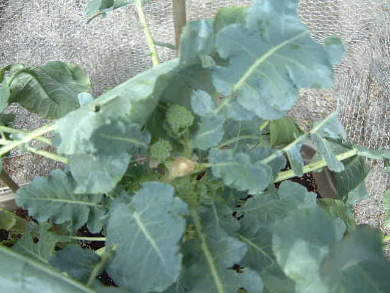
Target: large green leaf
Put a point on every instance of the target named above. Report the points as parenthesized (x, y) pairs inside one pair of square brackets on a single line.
[(270, 58), (239, 172), (75, 261), (50, 90), (357, 264), (135, 99), (54, 199), (146, 229), (300, 242), (208, 267), (339, 209), (42, 250), (21, 274), (210, 132)]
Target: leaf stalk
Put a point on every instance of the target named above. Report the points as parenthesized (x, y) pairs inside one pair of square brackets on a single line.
[(206, 250), (148, 34), (27, 138), (314, 166)]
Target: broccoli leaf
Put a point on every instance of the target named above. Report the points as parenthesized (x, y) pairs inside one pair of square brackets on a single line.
[(51, 90), (97, 174), (43, 249), (21, 274), (202, 104), (146, 229), (54, 199), (284, 131), (75, 261), (357, 264), (197, 40), (216, 252), (119, 136), (134, 99), (104, 6), (237, 171), (210, 132), (270, 58), (300, 243)]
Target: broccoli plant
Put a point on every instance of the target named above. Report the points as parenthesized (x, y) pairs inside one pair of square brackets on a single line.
[(184, 178)]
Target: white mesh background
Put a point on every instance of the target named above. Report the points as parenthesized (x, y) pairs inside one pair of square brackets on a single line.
[(113, 49)]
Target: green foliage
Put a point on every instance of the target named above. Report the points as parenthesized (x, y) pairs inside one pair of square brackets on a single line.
[(50, 90), (54, 198), (186, 170), (146, 229), (22, 274)]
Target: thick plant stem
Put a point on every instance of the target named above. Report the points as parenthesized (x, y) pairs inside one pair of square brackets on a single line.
[(29, 137), (148, 34), (180, 19), (206, 250), (7, 180), (314, 166), (49, 155), (88, 238), (12, 130)]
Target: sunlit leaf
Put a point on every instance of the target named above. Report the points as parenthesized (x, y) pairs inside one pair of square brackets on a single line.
[(51, 90)]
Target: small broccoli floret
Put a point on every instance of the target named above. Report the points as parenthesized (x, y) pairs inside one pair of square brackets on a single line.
[(178, 118), (160, 150)]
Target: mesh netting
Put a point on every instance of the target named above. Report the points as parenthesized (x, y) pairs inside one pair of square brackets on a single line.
[(113, 49)]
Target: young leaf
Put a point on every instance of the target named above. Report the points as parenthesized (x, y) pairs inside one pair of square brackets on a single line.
[(357, 264), (270, 58), (202, 104), (75, 261), (295, 158), (323, 134), (229, 15), (237, 171), (197, 40), (210, 132), (284, 131), (54, 198), (96, 6), (146, 229), (21, 274), (326, 152), (42, 250), (51, 90), (339, 209), (12, 222)]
